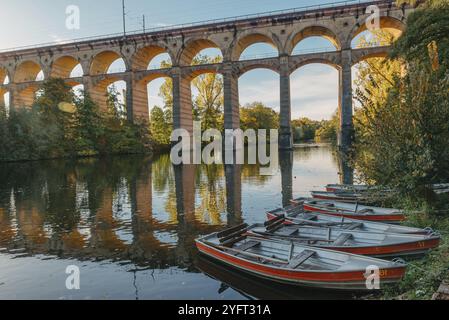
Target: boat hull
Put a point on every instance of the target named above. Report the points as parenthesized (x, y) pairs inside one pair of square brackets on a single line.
[(388, 218), (379, 251), (342, 188), (397, 228), (350, 280), (334, 197)]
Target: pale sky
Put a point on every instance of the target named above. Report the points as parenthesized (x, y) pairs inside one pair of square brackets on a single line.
[(314, 88)]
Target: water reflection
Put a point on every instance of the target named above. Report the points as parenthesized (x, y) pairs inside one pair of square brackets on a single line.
[(140, 211)]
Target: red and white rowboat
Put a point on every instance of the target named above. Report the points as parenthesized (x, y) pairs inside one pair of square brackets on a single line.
[(360, 188), (297, 215), (357, 242), (351, 210), (346, 196), (293, 263), (350, 187)]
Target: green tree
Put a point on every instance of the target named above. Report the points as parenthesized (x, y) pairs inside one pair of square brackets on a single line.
[(166, 89), (258, 116), (122, 136), (53, 97), (58, 124), (304, 129), (160, 126), (208, 103), (327, 132), (427, 30), (404, 127), (89, 127)]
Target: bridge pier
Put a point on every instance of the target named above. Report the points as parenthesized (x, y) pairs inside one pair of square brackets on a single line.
[(231, 99), (138, 102), (2, 97), (25, 96), (97, 93), (129, 98), (285, 132), (346, 134), (182, 102)]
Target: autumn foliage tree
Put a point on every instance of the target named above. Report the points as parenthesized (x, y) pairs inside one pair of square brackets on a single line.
[(403, 122)]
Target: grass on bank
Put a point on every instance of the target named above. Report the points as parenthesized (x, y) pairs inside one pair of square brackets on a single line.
[(424, 274)]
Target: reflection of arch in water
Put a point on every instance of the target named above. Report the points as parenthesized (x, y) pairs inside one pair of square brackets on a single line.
[(211, 191), (145, 228), (31, 226), (102, 229), (185, 191), (7, 230), (94, 234)]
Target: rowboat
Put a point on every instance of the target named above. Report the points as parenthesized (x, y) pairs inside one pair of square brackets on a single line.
[(297, 215), (360, 188), (351, 210), (441, 188), (343, 196), (257, 288), (350, 187), (293, 263), (350, 241)]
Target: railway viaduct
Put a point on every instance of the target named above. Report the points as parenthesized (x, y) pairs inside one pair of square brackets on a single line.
[(339, 23)]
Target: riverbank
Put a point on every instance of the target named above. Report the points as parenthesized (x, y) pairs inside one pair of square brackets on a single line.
[(424, 274)]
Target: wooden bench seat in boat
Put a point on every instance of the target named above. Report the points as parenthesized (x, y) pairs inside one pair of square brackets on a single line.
[(286, 232), (342, 238), (367, 210), (248, 245), (300, 259), (354, 226)]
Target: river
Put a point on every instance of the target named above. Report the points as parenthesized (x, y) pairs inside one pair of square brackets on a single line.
[(129, 224)]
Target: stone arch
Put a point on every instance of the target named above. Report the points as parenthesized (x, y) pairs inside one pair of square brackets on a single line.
[(200, 70), (194, 46), (249, 75), (143, 56), (214, 96), (315, 90), (27, 71), (63, 66), (4, 73), (140, 95), (321, 60), (252, 66), (360, 55), (103, 60), (247, 39), (98, 91), (73, 82), (394, 25), (312, 31)]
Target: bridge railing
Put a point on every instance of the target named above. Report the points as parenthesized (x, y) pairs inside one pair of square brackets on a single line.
[(171, 28)]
